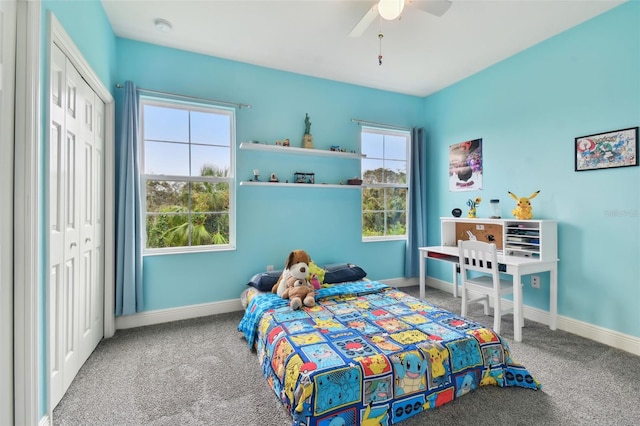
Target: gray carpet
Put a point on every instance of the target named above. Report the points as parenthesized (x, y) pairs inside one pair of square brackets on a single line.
[(201, 372)]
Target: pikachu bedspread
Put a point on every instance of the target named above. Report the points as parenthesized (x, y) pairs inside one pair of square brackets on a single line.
[(370, 354)]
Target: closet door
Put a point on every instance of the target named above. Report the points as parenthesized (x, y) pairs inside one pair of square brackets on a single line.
[(91, 213), (76, 193)]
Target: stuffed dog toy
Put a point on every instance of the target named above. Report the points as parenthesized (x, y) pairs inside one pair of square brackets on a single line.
[(299, 292), (297, 265)]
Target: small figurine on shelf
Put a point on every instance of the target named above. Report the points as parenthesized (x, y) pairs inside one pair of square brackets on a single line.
[(523, 210), (256, 174), (273, 178), (307, 139), (285, 142), (473, 206)]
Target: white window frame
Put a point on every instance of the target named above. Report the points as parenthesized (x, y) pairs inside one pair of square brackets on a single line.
[(230, 180), (398, 133)]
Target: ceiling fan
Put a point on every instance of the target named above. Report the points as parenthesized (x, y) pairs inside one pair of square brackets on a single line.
[(391, 9)]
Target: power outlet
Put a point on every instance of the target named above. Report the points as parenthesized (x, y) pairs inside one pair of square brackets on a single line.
[(535, 281), (269, 268)]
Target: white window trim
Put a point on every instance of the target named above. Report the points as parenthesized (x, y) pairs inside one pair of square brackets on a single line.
[(407, 134), (230, 180)]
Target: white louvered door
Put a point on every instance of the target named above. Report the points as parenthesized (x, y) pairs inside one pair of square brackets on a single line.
[(76, 191)]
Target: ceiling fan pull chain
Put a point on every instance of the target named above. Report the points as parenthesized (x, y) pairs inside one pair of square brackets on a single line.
[(380, 35)]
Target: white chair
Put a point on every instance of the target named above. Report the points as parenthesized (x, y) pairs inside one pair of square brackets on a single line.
[(480, 259)]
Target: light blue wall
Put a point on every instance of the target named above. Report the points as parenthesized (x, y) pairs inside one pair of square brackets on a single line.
[(86, 23), (271, 221), (528, 109)]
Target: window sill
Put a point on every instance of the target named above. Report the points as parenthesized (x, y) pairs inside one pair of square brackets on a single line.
[(187, 250)]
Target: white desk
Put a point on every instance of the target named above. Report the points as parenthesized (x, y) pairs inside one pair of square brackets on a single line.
[(516, 266)]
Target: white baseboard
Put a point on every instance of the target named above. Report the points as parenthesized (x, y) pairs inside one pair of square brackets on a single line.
[(400, 282), (580, 328), (589, 331), (176, 314)]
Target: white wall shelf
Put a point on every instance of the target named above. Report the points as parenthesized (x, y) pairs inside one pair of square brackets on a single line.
[(299, 185), (299, 151)]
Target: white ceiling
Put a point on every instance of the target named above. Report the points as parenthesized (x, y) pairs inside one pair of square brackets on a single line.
[(421, 53)]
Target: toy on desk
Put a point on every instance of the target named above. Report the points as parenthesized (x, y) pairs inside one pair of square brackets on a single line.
[(473, 206), (523, 210)]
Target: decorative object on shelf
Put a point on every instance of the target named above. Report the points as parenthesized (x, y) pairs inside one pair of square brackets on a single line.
[(495, 209), (302, 177), (355, 181), (307, 139), (256, 174), (618, 148), (523, 210), (473, 206), (279, 142), (273, 178), (465, 166), (285, 142), (456, 212)]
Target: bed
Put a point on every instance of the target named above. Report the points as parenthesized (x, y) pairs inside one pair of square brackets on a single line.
[(369, 354)]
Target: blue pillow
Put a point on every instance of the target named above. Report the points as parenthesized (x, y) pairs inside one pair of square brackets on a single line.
[(264, 281), (343, 272)]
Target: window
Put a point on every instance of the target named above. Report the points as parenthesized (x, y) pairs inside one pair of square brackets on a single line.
[(385, 194), (187, 175)]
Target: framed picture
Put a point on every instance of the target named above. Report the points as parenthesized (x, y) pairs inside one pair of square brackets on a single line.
[(618, 148), (465, 166)]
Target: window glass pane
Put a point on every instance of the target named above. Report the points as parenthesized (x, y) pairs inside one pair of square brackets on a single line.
[(395, 171), (166, 124), (207, 197), (166, 158), (395, 147), (210, 129), (372, 170), (395, 199), (372, 224), (166, 196), (396, 223), (210, 229), (167, 229), (372, 199), (372, 145), (210, 161)]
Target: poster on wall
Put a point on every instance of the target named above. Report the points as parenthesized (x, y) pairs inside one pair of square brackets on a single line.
[(465, 166), (618, 148)]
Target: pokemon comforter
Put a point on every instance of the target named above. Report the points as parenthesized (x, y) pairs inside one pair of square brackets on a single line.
[(369, 354)]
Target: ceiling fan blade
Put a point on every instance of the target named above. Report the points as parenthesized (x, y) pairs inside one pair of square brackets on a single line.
[(366, 20), (434, 7)]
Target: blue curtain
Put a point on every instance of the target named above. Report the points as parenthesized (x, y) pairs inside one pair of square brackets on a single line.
[(129, 224), (417, 216)]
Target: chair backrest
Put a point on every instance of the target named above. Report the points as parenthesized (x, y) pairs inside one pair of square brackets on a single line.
[(478, 256)]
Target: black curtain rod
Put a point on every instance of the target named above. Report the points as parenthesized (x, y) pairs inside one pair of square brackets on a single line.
[(192, 98)]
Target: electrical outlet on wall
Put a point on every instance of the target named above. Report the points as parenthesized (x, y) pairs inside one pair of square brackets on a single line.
[(535, 281), (269, 268)]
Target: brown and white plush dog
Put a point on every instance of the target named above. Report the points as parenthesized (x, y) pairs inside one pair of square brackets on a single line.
[(297, 265)]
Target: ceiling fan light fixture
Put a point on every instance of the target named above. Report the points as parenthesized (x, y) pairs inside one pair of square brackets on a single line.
[(162, 25), (390, 9)]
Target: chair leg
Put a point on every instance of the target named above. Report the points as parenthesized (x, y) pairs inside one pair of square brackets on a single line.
[(497, 314), (464, 302), (485, 303)]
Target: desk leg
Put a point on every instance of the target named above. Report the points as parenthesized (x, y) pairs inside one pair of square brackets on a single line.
[(517, 307), (553, 297), (423, 272), (455, 280)]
